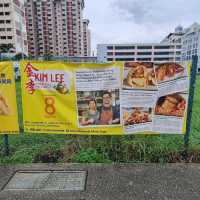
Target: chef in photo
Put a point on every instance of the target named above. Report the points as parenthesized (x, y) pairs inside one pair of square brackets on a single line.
[(109, 114)]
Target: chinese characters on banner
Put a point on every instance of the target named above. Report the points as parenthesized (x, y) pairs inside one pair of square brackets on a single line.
[(104, 99), (8, 105)]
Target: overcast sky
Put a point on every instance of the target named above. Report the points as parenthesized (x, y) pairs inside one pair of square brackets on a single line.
[(116, 21)]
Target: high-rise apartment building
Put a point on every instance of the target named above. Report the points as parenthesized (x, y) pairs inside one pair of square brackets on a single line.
[(13, 26), (174, 37), (86, 38), (191, 43), (54, 27)]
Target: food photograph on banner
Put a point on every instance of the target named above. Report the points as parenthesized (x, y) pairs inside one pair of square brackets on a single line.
[(171, 113), (5, 108), (172, 77), (137, 119), (139, 75)]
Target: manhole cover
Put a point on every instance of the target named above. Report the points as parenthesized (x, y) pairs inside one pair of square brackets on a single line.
[(48, 180)]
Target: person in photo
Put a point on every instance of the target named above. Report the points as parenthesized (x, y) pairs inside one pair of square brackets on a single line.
[(109, 114), (92, 116)]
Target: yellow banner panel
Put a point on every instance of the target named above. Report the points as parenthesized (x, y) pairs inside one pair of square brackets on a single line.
[(8, 105), (104, 99)]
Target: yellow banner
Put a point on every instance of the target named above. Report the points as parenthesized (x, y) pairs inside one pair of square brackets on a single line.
[(8, 106), (104, 99)]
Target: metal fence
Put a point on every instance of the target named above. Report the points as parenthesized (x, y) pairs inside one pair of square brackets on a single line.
[(137, 148)]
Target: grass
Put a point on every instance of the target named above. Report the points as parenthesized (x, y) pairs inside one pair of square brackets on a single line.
[(29, 148)]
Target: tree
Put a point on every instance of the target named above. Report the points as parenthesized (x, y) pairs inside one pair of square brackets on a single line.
[(5, 48), (20, 56), (47, 56)]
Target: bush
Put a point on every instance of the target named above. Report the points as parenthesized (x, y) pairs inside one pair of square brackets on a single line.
[(90, 156)]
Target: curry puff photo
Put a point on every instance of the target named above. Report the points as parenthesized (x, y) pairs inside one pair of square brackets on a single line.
[(168, 71), (62, 88), (171, 105), (139, 75), (137, 116), (4, 108)]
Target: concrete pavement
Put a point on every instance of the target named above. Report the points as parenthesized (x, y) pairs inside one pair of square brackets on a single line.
[(115, 182)]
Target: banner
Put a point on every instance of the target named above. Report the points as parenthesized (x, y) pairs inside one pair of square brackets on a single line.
[(8, 105), (104, 99)]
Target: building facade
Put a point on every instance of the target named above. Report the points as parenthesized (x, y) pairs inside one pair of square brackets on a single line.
[(13, 26), (139, 52), (174, 37), (191, 43), (54, 27), (86, 38)]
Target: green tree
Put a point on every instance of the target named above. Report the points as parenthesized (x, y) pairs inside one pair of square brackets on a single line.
[(47, 56), (20, 56), (5, 48)]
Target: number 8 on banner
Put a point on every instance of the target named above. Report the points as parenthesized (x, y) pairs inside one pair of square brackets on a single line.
[(50, 105)]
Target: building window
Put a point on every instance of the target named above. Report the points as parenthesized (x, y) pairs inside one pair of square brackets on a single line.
[(161, 59), (3, 37), (162, 53), (1, 13), (110, 53), (6, 4), (124, 47), (124, 59), (9, 37), (110, 59), (124, 53), (144, 53), (162, 47), (8, 21), (144, 47), (143, 59)]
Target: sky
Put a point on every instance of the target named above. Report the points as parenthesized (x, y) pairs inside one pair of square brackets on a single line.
[(134, 21)]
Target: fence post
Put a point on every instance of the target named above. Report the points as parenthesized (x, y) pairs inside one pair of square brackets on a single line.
[(193, 74), (6, 145)]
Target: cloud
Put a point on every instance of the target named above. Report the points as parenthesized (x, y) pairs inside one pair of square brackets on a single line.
[(134, 21), (157, 11)]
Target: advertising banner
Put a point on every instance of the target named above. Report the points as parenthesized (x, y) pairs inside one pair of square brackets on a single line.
[(104, 99), (8, 105)]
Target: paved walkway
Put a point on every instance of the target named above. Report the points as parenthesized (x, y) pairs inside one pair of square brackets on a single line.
[(115, 182)]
